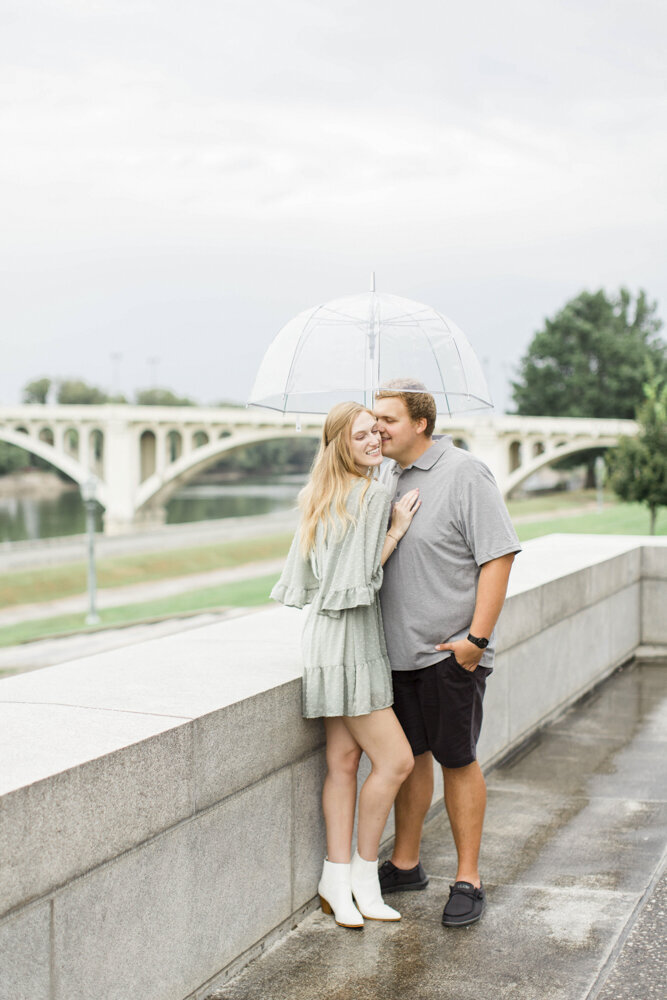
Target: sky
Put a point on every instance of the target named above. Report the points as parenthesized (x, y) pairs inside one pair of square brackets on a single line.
[(177, 180)]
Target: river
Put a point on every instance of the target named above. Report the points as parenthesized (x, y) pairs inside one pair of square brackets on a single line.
[(30, 518)]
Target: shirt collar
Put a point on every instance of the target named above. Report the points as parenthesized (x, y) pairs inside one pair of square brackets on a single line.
[(440, 445)]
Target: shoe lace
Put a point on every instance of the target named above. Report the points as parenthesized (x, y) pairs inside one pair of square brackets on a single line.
[(472, 893)]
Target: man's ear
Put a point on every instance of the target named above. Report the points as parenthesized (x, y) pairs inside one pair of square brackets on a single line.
[(420, 425)]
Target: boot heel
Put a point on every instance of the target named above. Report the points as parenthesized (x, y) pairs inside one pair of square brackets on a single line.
[(336, 896)]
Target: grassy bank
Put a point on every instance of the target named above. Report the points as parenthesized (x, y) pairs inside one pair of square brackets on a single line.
[(242, 594), (33, 586), (619, 519), (61, 581)]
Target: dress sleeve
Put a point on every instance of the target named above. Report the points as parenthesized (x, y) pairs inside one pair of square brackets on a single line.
[(353, 574), (297, 585)]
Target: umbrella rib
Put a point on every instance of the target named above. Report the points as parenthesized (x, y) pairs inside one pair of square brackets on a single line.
[(399, 320), (437, 363), (463, 369), (297, 351)]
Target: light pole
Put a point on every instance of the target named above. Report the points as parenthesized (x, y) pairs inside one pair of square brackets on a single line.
[(88, 495), (599, 481)]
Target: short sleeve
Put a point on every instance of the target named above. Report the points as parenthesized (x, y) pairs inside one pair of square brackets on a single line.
[(353, 573), (297, 585), (483, 519)]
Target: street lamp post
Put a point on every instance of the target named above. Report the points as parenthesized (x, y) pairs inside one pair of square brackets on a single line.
[(599, 482), (88, 495)]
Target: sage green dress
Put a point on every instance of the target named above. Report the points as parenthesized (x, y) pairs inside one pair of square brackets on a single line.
[(345, 666)]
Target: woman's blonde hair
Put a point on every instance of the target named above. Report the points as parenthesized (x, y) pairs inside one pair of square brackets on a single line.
[(330, 482)]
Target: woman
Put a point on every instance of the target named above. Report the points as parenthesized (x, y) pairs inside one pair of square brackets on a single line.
[(335, 563)]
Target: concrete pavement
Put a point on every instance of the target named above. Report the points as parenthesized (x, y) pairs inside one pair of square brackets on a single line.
[(574, 864)]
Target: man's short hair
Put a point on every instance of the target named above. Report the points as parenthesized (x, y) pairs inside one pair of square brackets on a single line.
[(419, 403)]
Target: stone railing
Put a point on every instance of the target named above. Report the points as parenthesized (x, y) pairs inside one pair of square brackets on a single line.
[(159, 804)]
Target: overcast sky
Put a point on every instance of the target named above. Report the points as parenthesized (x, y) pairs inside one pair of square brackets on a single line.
[(178, 179)]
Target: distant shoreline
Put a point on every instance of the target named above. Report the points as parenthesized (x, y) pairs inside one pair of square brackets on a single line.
[(34, 484)]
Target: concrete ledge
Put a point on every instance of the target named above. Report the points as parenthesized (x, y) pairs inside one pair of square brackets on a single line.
[(159, 804)]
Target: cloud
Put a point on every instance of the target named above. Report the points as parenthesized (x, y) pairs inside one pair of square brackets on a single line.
[(170, 147)]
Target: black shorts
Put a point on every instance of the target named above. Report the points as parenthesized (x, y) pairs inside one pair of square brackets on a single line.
[(440, 709)]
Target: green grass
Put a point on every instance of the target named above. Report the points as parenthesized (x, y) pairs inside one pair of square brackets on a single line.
[(560, 500), (244, 593), (32, 586), (22, 587), (621, 519)]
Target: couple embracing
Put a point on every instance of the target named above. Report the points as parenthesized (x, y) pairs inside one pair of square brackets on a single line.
[(406, 575)]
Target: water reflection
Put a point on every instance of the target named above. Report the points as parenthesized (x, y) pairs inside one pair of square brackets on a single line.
[(27, 517), (31, 518), (208, 501)]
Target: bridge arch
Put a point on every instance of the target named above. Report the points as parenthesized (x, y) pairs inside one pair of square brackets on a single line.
[(71, 442), (515, 455), (157, 490), (147, 455), (70, 466), (551, 455)]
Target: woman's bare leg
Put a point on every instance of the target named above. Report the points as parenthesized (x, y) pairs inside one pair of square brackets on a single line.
[(381, 737), (339, 793)]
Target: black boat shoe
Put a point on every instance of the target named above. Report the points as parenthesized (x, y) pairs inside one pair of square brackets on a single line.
[(393, 879), (465, 905)]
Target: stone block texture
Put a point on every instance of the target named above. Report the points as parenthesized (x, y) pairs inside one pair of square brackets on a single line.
[(25, 954), (61, 827), (157, 827)]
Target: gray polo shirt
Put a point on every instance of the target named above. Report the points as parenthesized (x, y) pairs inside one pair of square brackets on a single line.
[(430, 582)]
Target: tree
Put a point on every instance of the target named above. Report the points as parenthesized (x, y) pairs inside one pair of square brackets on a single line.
[(37, 391), (637, 467), (78, 392), (12, 458), (161, 397), (591, 359)]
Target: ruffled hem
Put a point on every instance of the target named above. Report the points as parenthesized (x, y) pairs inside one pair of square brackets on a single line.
[(347, 690), (293, 597), (351, 597)]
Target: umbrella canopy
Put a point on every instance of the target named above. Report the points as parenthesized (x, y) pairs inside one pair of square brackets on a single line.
[(350, 347)]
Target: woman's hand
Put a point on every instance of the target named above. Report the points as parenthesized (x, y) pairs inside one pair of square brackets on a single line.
[(403, 512)]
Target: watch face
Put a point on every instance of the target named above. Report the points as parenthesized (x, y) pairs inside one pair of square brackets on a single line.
[(483, 643)]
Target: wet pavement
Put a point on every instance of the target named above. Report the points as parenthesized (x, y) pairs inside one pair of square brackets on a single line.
[(574, 865)]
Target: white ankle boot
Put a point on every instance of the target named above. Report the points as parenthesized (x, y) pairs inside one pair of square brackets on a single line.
[(366, 890), (336, 895)]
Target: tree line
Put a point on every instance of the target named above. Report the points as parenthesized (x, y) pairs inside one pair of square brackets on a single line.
[(77, 392), (601, 355)]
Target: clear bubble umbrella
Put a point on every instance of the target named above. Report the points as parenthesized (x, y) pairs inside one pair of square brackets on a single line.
[(350, 347)]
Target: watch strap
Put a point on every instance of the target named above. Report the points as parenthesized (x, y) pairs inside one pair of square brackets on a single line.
[(481, 643)]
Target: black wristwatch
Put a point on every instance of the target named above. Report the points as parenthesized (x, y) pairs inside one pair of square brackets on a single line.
[(480, 643)]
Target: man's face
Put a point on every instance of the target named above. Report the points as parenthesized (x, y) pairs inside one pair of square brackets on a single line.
[(399, 434)]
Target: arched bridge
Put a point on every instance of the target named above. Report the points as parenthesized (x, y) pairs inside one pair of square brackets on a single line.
[(141, 454)]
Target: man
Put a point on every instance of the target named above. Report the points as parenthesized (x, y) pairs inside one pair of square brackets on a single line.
[(442, 593)]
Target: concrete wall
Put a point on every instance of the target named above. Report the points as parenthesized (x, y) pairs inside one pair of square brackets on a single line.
[(159, 804)]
